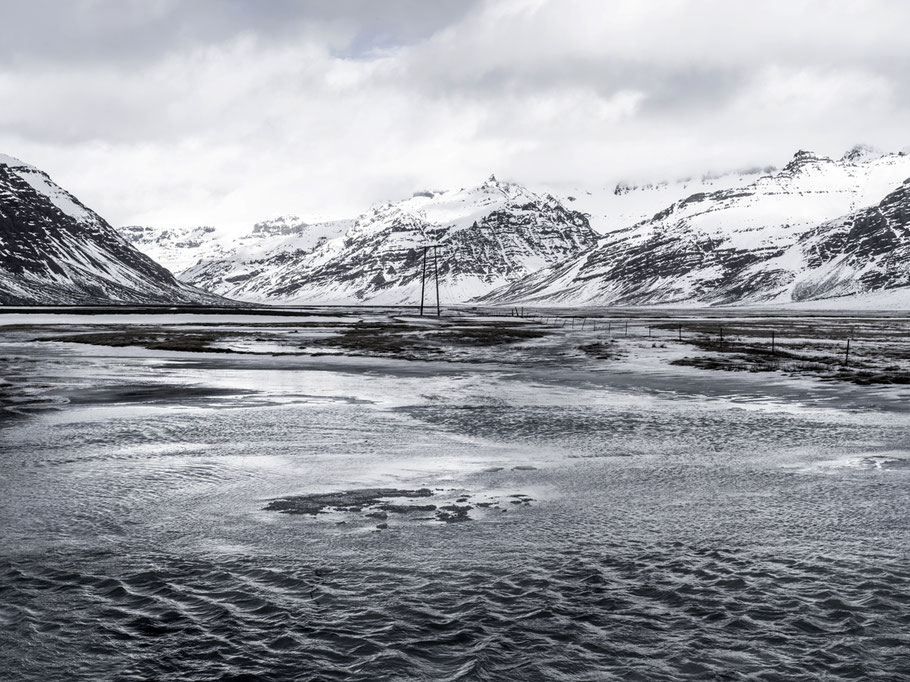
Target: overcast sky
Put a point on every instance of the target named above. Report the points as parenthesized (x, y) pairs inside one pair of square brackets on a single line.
[(224, 112)]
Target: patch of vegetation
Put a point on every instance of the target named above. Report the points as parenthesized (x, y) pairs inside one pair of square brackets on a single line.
[(194, 342), (348, 500), (738, 363), (798, 359), (866, 378), (494, 334), (454, 513), (418, 342), (373, 504), (600, 350), (379, 339)]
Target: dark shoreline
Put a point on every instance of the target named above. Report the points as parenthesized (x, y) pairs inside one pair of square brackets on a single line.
[(592, 313)]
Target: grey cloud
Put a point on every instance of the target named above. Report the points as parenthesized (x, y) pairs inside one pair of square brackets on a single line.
[(133, 31), (245, 107)]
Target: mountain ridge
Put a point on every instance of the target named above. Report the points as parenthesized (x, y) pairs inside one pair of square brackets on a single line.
[(728, 242), (54, 249), (490, 234), (714, 248)]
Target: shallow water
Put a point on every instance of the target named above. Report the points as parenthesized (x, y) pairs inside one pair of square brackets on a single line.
[(683, 525)]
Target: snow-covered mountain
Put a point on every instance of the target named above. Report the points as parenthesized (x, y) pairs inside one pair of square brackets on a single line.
[(615, 206), (54, 250), (175, 248), (865, 252), (178, 249), (742, 244), (488, 235)]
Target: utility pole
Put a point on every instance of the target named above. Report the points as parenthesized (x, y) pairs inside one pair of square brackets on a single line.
[(436, 272), (423, 278)]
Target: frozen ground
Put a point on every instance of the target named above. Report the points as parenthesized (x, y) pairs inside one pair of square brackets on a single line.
[(477, 498)]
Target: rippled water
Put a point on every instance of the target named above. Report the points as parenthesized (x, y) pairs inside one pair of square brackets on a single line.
[(674, 534)]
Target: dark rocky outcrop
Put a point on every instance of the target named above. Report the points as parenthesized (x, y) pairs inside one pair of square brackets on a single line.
[(54, 250)]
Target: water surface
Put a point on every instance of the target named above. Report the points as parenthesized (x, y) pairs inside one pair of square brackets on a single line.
[(683, 524)]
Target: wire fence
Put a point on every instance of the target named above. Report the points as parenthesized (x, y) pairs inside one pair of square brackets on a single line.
[(835, 342)]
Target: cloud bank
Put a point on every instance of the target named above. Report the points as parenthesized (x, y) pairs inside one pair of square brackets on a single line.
[(165, 113)]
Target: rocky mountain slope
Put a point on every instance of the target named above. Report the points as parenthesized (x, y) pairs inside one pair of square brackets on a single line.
[(54, 250), (750, 244), (488, 235), (865, 252)]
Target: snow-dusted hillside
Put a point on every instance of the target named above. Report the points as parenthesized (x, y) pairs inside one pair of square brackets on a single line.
[(54, 250), (488, 235), (866, 252), (612, 207), (175, 248), (179, 249), (728, 246)]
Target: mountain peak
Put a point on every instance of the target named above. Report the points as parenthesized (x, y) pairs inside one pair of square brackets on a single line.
[(862, 152), (12, 162), (58, 251), (493, 182), (494, 232), (285, 224), (801, 159), (804, 155)]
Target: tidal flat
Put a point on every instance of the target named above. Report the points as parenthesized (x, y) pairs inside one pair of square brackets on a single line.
[(365, 494)]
